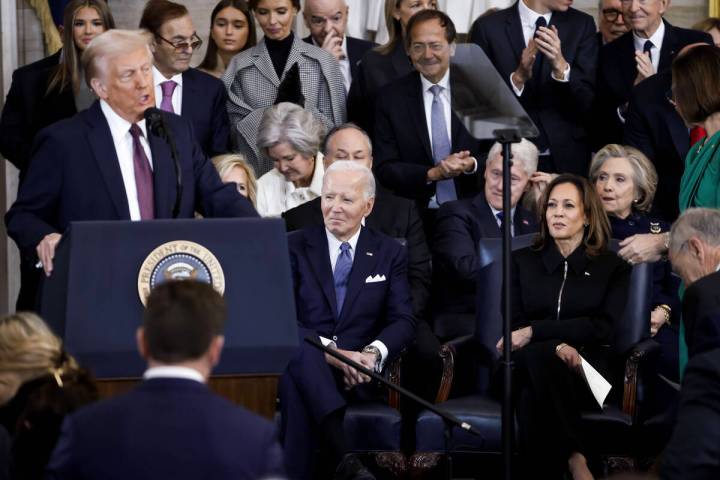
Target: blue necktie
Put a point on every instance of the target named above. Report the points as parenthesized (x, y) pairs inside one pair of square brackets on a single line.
[(647, 48), (444, 189), (342, 274)]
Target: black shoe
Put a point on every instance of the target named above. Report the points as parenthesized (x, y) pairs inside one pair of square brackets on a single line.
[(351, 468)]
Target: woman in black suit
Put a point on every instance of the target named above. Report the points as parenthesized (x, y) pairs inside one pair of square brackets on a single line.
[(43, 93), (568, 290), (626, 182), (385, 63)]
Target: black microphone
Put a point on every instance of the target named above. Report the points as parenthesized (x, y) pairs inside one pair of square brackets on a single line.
[(155, 119)]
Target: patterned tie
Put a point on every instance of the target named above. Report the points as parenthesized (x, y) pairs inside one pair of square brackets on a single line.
[(537, 66), (647, 48), (167, 90), (342, 274), (143, 176), (444, 189)]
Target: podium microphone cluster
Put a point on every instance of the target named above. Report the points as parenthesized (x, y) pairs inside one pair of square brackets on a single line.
[(155, 119)]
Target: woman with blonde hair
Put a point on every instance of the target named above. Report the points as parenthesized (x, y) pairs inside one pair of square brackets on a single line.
[(385, 63), (233, 168), (39, 384)]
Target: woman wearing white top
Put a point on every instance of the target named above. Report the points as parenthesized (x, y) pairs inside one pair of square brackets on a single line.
[(290, 137)]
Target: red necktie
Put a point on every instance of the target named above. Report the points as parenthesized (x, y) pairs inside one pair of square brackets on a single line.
[(143, 176), (697, 134)]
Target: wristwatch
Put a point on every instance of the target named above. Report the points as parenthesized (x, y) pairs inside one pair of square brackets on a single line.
[(378, 355)]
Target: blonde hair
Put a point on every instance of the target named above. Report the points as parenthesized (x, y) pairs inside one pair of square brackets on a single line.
[(109, 44), (28, 347), (226, 162), (645, 176)]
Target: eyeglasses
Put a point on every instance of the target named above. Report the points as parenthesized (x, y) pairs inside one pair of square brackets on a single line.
[(180, 46), (611, 14)]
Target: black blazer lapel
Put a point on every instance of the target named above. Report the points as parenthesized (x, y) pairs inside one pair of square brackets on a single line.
[(164, 180), (103, 149), (513, 30), (628, 68), (317, 251), (523, 221), (416, 111), (364, 262), (669, 47), (354, 55), (400, 61), (486, 220), (190, 96)]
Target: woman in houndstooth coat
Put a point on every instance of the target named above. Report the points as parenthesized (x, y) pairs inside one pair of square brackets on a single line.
[(281, 67)]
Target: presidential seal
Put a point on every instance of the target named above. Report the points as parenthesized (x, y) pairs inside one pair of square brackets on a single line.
[(179, 260)]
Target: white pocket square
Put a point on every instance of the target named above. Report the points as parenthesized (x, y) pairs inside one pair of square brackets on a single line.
[(375, 279)]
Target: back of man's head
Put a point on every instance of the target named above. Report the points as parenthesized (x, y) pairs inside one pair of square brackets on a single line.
[(181, 320)]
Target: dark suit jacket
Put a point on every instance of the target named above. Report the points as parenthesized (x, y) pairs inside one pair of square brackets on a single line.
[(701, 302), (372, 311), (617, 71), (392, 216), (559, 109), (166, 428), (75, 175), (356, 48), (653, 126), (29, 108), (403, 148), (694, 449), (374, 72), (204, 103), (459, 226)]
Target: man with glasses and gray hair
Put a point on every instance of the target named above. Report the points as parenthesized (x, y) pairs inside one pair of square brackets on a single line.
[(185, 91), (611, 22)]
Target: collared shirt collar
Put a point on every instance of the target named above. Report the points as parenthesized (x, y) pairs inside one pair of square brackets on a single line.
[(158, 77), (528, 16), (119, 127), (552, 258), (495, 212), (444, 82), (334, 243), (173, 371), (656, 38)]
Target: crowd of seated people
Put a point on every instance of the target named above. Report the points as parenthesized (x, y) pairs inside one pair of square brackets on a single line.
[(386, 194)]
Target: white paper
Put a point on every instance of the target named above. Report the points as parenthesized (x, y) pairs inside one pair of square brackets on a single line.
[(597, 383)]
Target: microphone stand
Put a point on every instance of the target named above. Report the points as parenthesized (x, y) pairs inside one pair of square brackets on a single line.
[(449, 419), (156, 120), (507, 137)]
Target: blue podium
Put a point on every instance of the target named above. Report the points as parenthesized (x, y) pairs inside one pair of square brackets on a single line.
[(93, 298)]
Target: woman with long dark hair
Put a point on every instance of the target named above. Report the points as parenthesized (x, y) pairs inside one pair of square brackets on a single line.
[(232, 30)]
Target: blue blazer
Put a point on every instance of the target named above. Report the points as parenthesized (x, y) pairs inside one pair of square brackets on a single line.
[(166, 428), (372, 311), (75, 175), (204, 103)]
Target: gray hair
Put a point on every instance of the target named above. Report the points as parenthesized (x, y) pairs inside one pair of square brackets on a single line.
[(289, 123), (340, 128), (368, 178), (110, 44), (526, 152), (703, 223), (645, 176)]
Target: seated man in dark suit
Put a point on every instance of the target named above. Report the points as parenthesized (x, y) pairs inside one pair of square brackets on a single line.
[(188, 92), (462, 224), (648, 48), (547, 53), (171, 425), (422, 150), (352, 292), (105, 163), (327, 21)]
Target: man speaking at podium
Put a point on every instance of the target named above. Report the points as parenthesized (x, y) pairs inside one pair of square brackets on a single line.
[(109, 163)]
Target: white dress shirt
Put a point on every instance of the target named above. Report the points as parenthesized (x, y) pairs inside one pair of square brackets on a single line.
[(334, 252), (528, 19), (120, 131), (159, 78), (275, 195), (344, 63), (172, 371), (657, 41)]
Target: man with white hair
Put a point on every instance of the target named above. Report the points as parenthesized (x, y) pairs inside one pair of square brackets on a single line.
[(459, 227), (351, 292), (327, 21), (106, 163)]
